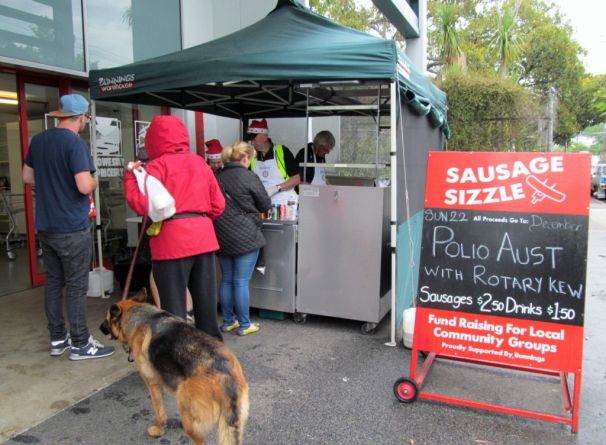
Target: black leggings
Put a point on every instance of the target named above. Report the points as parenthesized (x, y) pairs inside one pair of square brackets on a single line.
[(198, 273)]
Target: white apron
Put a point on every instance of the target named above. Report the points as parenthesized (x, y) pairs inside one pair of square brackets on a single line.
[(319, 174), (270, 175)]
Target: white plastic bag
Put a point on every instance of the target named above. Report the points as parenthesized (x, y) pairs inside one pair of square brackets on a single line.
[(160, 203)]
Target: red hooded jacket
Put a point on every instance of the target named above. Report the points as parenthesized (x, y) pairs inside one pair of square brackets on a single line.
[(189, 179)]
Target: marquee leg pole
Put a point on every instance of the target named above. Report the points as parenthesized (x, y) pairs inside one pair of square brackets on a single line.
[(394, 209)]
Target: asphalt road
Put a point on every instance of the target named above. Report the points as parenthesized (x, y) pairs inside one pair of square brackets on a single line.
[(324, 382)]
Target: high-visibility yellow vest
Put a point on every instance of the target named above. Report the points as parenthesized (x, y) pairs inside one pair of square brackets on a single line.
[(279, 156)]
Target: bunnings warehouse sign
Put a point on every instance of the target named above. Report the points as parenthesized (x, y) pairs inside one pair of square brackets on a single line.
[(503, 258)]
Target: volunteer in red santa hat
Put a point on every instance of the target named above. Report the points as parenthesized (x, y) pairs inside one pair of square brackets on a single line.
[(214, 151), (275, 164)]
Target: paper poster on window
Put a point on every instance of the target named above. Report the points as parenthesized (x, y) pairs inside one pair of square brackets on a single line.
[(140, 132), (108, 145), (109, 137)]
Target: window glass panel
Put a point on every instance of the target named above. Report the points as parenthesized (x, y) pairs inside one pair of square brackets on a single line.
[(49, 33), (115, 147), (41, 99), (126, 31), (10, 149), (14, 266), (157, 28), (110, 34)]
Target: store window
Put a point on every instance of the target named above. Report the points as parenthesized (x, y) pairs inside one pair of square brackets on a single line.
[(115, 146), (125, 31), (48, 33), (13, 250), (109, 33), (10, 150), (118, 31), (153, 36)]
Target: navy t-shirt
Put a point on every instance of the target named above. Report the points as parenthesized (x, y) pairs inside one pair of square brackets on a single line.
[(57, 155)]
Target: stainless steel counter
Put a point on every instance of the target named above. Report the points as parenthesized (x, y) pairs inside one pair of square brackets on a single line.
[(334, 261), (343, 256), (275, 290)]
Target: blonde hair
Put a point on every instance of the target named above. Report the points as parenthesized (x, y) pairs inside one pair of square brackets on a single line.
[(237, 152)]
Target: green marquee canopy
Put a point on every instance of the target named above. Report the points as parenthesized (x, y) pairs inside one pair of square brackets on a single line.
[(274, 68)]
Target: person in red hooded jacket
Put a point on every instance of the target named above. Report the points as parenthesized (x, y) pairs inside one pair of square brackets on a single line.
[(183, 252)]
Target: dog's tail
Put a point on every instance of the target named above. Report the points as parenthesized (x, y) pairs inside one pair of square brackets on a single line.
[(231, 426)]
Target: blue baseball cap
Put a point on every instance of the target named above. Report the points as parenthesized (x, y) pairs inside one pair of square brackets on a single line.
[(71, 105)]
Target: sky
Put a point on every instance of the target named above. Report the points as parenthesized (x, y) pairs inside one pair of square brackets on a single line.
[(587, 20)]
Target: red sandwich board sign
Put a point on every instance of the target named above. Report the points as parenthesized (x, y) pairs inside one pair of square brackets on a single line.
[(503, 260)]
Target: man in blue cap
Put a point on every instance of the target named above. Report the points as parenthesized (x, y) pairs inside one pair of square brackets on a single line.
[(58, 163)]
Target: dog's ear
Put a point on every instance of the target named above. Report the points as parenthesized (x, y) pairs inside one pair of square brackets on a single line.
[(140, 296), (115, 311)]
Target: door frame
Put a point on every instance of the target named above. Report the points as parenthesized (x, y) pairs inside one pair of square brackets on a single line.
[(65, 85)]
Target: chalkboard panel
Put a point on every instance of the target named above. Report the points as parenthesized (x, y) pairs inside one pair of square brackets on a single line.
[(517, 265)]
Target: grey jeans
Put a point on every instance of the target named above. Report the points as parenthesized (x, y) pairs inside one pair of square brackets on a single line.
[(67, 259)]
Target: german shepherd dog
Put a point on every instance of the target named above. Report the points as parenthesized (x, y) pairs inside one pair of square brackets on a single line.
[(205, 376)]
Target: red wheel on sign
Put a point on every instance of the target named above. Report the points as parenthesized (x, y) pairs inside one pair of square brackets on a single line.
[(406, 390)]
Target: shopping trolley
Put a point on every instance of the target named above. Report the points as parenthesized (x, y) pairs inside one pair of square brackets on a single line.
[(9, 206)]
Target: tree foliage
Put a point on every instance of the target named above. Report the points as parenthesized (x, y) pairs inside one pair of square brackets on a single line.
[(594, 91), (504, 41), (490, 113), (346, 12), (350, 13), (526, 42), (450, 50), (551, 59), (600, 103)]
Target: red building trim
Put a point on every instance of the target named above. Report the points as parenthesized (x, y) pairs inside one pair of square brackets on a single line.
[(199, 126)]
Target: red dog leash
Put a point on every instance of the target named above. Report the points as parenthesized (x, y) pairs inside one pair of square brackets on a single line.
[(129, 276)]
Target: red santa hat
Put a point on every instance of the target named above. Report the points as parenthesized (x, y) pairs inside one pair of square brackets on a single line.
[(258, 127), (214, 149)]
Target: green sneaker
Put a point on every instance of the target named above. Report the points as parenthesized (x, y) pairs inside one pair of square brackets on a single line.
[(231, 327), (254, 327)]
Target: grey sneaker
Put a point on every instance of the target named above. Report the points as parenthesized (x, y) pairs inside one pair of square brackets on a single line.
[(58, 347), (94, 349)]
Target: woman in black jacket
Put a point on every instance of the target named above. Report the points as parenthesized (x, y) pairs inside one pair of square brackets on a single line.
[(238, 230)]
